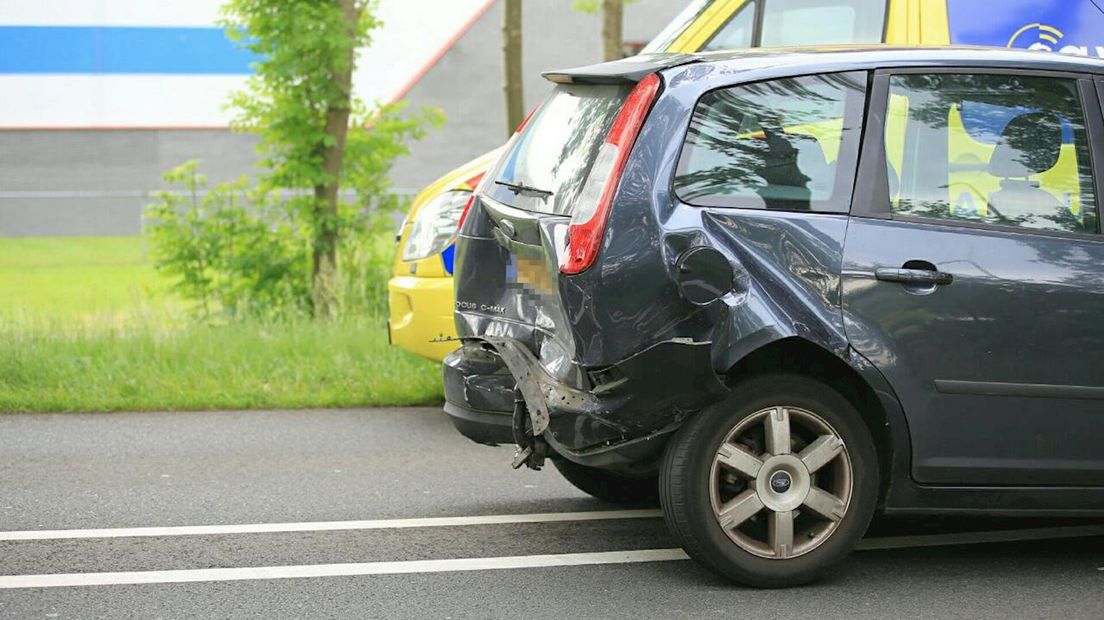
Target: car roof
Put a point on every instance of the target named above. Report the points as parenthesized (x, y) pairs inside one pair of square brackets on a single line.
[(818, 59)]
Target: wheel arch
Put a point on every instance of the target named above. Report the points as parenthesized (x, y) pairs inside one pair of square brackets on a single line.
[(800, 356)]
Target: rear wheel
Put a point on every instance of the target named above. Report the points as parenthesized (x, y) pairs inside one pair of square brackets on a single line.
[(774, 485), (610, 486)]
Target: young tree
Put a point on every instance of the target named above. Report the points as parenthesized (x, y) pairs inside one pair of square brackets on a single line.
[(315, 135), (613, 17), (511, 55)]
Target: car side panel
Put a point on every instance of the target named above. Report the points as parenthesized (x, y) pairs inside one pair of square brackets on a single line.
[(786, 264), (1000, 371), (968, 360)]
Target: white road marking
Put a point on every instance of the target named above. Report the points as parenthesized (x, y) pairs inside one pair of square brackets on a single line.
[(973, 538), (320, 526), (338, 570)]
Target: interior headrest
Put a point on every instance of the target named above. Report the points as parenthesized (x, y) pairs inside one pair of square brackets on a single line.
[(1029, 144)]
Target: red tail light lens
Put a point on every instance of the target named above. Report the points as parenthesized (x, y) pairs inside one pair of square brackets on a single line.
[(588, 222)]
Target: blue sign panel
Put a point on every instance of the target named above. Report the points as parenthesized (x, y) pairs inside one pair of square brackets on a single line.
[(1066, 26), (121, 49)]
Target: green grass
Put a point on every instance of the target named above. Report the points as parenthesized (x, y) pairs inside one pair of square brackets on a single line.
[(240, 366), (86, 324), (70, 281)]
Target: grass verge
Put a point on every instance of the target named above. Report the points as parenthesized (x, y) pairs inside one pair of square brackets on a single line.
[(88, 325), (80, 281), (239, 366)]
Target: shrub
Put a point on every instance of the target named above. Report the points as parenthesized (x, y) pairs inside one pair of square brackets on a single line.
[(228, 248), (236, 251)]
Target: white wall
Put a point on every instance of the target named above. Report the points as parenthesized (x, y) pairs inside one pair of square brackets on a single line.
[(415, 33)]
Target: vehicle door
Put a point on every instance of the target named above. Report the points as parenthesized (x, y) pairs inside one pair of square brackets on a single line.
[(974, 271)]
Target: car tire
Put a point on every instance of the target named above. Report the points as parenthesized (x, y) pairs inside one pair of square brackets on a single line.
[(704, 481), (610, 486)]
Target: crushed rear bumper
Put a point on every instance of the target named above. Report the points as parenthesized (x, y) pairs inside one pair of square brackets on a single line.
[(621, 420)]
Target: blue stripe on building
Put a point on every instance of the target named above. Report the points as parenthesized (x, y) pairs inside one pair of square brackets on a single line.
[(111, 49)]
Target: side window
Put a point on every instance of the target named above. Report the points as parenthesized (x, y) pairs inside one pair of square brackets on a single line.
[(784, 144), (737, 33), (999, 149), (803, 22), (809, 22)]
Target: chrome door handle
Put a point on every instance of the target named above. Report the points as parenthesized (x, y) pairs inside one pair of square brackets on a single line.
[(914, 276)]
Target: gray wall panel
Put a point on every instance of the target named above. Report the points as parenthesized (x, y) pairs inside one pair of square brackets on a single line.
[(92, 182)]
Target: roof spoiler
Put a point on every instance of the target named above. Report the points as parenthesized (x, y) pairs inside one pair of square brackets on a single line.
[(632, 69)]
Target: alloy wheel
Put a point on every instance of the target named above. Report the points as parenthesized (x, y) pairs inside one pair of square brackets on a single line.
[(781, 482)]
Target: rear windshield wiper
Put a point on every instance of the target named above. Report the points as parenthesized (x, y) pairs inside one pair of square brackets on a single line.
[(521, 188)]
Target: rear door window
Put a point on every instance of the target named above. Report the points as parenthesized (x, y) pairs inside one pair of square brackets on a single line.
[(549, 161), (993, 149), (782, 144)]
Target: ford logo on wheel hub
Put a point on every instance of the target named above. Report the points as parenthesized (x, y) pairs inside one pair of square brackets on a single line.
[(780, 482)]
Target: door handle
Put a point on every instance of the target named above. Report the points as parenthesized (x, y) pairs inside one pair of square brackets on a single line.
[(925, 277)]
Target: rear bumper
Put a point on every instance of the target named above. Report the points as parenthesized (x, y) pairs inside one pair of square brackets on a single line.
[(420, 315), (623, 420), (490, 428)]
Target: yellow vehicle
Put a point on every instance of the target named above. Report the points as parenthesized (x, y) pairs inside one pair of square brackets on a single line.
[(421, 290), (421, 275)]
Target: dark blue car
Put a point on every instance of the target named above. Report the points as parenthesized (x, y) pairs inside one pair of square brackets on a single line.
[(779, 291)]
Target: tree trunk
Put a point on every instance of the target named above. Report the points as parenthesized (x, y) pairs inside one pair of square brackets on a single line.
[(511, 55), (612, 20), (324, 268)]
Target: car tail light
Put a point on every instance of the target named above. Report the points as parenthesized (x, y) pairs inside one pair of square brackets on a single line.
[(588, 222)]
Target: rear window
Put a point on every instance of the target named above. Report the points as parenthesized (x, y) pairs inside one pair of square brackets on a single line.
[(552, 156)]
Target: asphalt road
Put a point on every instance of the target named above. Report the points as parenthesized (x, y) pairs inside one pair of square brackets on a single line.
[(380, 474)]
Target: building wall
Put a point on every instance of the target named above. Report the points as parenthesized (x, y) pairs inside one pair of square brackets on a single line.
[(96, 181), (467, 82)]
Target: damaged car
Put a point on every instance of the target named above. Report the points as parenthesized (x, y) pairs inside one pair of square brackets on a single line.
[(783, 290)]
